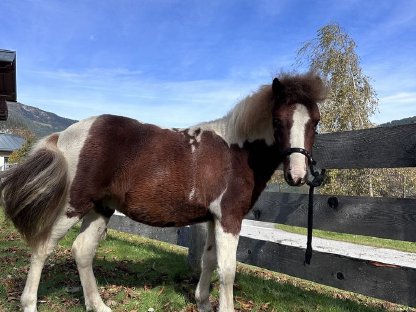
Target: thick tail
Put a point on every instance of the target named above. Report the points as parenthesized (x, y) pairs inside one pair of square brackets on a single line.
[(35, 191)]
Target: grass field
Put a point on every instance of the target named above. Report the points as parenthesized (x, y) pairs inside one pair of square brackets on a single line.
[(135, 274)]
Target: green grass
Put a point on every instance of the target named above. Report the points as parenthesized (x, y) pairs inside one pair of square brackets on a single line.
[(135, 274), (356, 239)]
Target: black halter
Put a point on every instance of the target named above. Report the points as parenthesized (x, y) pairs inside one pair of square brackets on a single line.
[(303, 151), (318, 178)]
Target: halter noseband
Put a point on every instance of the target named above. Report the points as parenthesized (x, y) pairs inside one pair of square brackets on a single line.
[(318, 178), (303, 151)]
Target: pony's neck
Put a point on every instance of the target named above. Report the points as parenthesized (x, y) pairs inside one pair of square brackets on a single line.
[(249, 125), (250, 120)]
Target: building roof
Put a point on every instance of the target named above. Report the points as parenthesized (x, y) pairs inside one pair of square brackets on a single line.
[(10, 142), (7, 79), (7, 56)]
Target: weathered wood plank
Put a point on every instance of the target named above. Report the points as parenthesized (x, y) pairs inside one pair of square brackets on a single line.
[(388, 282), (172, 235), (267, 231), (382, 147), (379, 217)]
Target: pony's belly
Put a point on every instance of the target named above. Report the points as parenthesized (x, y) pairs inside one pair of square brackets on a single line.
[(167, 214)]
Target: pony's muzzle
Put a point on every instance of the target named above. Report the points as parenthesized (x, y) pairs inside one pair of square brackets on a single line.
[(297, 172), (296, 177)]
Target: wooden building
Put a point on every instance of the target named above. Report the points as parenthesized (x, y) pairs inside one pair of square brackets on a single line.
[(8, 90)]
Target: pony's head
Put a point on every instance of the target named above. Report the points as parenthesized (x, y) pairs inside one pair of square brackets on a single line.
[(295, 119)]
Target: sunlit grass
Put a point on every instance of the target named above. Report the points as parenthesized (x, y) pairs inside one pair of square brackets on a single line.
[(135, 274)]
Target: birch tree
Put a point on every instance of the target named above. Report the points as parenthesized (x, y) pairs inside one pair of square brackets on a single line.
[(351, 102), (351, 99)]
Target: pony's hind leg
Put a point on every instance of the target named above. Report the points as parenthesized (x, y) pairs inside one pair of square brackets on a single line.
[(92, 231), (208, 265), (39, 255)]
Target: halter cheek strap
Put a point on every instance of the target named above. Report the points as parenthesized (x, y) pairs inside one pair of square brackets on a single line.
[(318, 178)]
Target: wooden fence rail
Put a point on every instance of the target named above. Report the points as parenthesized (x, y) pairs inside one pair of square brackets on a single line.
[(384, 147), (393, 218), (390, 147)]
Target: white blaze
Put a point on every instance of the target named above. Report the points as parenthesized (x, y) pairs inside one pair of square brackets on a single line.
[(297, 139)]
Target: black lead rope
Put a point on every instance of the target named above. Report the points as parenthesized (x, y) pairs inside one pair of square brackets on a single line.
[(318, 178), (308, 253)]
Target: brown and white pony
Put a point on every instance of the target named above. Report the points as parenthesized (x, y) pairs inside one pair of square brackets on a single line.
[(213, 172)]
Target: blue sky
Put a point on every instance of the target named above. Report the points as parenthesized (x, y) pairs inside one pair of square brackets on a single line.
[(179, 62)]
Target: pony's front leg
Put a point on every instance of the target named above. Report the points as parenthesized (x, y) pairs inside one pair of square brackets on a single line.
[(226, 257)]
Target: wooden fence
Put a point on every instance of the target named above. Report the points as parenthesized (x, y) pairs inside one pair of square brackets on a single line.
[(369, 272)]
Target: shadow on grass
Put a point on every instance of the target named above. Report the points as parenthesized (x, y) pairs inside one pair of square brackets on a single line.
[(128, 266)]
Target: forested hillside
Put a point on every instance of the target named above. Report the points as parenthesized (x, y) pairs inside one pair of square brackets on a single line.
[(39, 122), (404, 121)]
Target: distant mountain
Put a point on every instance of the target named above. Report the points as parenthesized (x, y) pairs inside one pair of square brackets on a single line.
[(40, 122), (404, 121)]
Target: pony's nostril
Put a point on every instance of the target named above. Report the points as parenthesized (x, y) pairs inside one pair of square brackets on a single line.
[(293, 181), (297, 181)]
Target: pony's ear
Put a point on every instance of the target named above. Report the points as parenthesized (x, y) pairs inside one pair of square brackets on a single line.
[(277, 87)]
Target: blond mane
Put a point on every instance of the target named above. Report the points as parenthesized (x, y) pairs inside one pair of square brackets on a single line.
[(251, 118)]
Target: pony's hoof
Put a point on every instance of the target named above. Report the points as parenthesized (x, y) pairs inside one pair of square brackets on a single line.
[(28, 305), (100, 308), (204, 306)]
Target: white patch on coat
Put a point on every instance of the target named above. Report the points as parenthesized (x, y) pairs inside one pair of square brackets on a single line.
[(193, 171), (198, 137), (192, 133), (218, 127), (71, 141), (192, 193), (215, 205), (297, 139)]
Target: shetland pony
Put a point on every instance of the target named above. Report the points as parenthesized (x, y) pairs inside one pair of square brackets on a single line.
[(213, 172)]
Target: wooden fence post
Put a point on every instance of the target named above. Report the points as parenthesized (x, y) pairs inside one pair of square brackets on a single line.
[(197, 237)]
